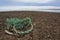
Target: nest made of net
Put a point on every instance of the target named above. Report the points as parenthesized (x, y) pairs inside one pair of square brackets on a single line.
[(19, 26)]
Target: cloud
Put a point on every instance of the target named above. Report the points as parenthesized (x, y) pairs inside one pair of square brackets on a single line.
[(27, 8), (33, 1)]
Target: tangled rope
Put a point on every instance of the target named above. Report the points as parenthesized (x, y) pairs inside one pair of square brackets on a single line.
[(17, 25)]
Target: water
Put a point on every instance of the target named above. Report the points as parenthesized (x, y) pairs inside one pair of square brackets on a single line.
[(58, 11)]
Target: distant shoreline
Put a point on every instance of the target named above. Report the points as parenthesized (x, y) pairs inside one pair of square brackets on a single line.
[(28, 11), (53, 11)]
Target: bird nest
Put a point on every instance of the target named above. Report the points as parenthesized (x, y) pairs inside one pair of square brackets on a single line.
[(18, 26)]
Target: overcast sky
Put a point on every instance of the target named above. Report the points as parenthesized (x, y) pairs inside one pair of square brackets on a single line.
[(11, 5), (29, 2)]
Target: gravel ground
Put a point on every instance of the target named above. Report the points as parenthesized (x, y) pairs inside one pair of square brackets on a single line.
[(47, 25)]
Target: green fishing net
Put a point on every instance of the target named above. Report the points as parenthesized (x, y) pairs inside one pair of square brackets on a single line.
[(18, 24)]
